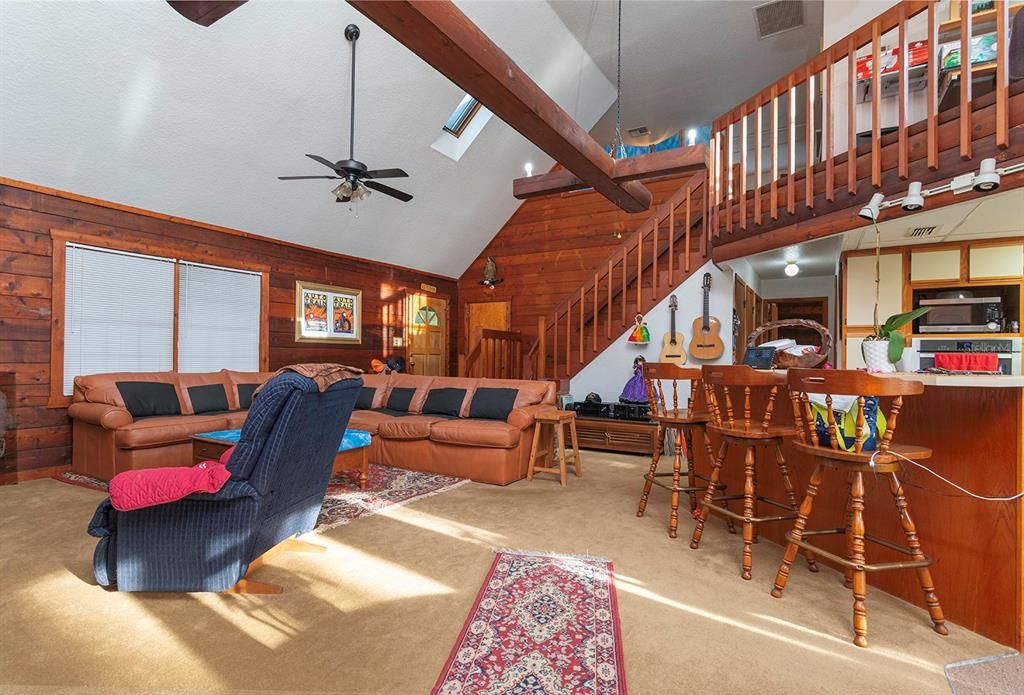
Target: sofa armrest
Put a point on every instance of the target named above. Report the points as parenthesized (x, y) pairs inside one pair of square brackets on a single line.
[(525, 417), (102, 414)]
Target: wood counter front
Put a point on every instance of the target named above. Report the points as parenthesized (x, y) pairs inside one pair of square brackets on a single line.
[(977, 435)]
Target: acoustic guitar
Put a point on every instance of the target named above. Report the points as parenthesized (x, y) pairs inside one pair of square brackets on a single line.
[(672, 344), (706, 343)]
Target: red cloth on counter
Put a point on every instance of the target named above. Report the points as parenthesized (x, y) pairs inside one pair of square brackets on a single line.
[(967, 361)]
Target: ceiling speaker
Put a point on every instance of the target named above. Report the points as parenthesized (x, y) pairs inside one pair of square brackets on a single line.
[(779, 16)]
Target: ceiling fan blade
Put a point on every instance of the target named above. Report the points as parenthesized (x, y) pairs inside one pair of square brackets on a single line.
[(384, 174), (388, 190), (295, 178), (325, 162)]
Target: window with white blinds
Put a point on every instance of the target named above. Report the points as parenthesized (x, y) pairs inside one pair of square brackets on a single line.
[(218, 319), (118, 313)]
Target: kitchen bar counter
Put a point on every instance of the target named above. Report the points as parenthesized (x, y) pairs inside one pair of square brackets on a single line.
[(975, 427)]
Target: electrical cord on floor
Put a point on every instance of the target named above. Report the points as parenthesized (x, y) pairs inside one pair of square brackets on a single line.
[(967, 492)]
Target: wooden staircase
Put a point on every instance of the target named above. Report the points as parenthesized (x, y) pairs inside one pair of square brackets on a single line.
[(663, 252)]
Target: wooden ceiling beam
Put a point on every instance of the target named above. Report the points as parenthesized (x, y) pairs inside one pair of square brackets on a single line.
[(446, 39), (681, 160)]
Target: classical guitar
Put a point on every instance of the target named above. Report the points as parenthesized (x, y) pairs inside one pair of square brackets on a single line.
[(672, 344), (706, 344)]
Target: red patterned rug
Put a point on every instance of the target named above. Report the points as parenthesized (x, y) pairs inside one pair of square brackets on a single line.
[(542, 624), (386, 487)]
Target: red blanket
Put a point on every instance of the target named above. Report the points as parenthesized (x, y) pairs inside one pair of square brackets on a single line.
[(967, 361), (152, 486)]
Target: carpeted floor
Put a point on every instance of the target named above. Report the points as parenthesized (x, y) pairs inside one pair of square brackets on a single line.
[(379, 612)]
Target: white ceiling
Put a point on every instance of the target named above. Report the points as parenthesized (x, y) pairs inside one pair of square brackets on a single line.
[(130, 102), (992, 216), (685, 63), (815, 258)]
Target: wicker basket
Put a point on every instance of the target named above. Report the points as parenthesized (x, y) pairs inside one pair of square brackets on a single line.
[(784, 360)]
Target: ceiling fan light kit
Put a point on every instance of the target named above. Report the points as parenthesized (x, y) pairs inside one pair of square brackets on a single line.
[(356, 179)]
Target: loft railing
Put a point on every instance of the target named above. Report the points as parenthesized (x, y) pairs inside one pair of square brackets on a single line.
[(650, 262), (496, 355), (746, 188)]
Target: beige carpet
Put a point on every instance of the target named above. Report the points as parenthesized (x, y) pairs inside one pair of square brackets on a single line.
[(380, 610)]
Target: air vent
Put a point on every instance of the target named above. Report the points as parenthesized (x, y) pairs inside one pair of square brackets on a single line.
[(920, 232), (776, 17), (639, 131)]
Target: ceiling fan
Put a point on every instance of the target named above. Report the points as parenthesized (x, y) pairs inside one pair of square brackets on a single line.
[(356, 179)]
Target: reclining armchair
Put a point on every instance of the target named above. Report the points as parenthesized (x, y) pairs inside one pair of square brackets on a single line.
[(279, 474)]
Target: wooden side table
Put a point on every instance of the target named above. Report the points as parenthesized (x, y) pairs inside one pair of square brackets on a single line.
[(557, 421)]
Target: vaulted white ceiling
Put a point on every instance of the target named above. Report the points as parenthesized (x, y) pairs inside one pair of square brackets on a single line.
[(130, 102)]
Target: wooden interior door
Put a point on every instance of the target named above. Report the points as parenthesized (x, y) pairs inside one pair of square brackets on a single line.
[(427, 335), (495, 315), (813, 308)]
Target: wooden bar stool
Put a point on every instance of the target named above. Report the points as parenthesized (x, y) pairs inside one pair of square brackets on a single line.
[(685, 425), (808, 386), (557, 420), (755, 434)]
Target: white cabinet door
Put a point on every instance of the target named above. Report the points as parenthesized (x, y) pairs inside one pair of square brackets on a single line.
[(860, 288), (935, 266), (852, 353), (997, 261)]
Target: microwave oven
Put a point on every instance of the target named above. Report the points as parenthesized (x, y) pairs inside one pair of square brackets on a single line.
[(961, 313)]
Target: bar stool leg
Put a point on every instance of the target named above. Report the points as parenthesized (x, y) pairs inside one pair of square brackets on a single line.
[(677, 467), (860, 588), (797, 533), (749, 490), (561, 453), (924, 575), (691, 480), (780, 461), (848, 573), (702, 516), (649, 478), (533, 450), (711, 461), (576, 448), (754, 501)]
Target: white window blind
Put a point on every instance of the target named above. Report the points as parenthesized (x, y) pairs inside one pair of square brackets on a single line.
[(118, 313), (218, 319)]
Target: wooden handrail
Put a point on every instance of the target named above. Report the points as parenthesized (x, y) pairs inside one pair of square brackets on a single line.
[(499, 354)]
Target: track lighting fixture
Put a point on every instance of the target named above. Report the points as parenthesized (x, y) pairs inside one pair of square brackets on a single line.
[(870, 211), (988, 177), (913, 201)]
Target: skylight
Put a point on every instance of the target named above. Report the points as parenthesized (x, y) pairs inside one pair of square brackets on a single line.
[(462, 115)]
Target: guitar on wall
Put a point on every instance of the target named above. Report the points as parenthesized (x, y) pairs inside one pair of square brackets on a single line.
[(672, 344), (706, 343)]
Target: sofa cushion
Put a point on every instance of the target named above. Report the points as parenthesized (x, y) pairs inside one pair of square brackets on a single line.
[(466, 384), (364, 401), (380, 383), (486, 433), (235, 380), (235, 418), (148, 398), (368, 420), (444, 401), (400, 399), (102, 388), (245, 392), (163, 431), (418, 384), (411, 427), (493, 403), (209, 398), (530, 392)]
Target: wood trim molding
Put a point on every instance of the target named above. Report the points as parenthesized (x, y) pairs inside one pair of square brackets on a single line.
[(46, 190)]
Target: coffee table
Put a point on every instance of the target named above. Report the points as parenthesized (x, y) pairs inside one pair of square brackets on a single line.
[(353, 452)]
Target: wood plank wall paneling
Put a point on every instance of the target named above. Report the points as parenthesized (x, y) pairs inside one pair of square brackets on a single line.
[(40, 437), (548, 248)]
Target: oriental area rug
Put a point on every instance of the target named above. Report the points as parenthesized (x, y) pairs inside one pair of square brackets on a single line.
[(386, 487), (542, 624)]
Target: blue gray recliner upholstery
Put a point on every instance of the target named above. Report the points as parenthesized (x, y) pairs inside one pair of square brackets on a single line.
[(279, 474)]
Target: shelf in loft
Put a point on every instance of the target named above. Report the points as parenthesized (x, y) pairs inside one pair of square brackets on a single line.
[(978, 18)]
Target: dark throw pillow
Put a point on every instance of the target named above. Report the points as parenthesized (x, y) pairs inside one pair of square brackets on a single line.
[(444, 402), (492, 404), (210, 398), (148, 398), (364, 401), (245, 392), (400, 399)]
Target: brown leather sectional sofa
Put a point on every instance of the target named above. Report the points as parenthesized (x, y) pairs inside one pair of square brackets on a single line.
[(108, 439), (475, 428), (469, 434)]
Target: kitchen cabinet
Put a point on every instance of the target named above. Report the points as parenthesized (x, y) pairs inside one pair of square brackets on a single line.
[(860, 288), (852, 354), (1002, 261), (935, 266)]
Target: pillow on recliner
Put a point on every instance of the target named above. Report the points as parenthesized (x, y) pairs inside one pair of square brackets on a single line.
[(149, 398)]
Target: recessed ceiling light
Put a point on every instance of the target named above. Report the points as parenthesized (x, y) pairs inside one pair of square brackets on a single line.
[(792, 269)]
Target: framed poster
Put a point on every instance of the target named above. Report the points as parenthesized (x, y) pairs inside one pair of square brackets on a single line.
[(324, 313)]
